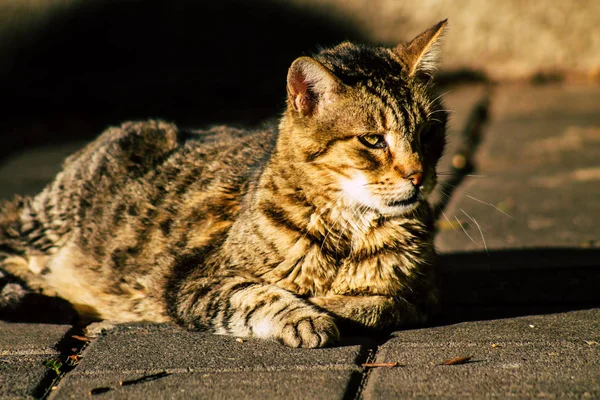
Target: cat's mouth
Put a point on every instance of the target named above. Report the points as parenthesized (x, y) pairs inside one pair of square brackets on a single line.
[(406, 202)]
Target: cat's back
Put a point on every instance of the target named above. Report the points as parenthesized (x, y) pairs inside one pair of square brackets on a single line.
[(149, 163), (126, 208), (134, 180)]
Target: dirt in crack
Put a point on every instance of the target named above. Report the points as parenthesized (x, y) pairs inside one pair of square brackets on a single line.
[(70, 347)]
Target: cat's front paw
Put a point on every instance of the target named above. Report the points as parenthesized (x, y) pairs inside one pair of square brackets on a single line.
[(310, 329)]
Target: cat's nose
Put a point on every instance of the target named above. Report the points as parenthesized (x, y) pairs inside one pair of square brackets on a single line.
[(416, 177)]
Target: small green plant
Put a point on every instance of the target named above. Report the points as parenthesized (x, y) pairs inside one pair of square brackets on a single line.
[(54, 364)]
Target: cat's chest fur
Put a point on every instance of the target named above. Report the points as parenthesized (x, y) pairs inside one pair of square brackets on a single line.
[(315, 252)]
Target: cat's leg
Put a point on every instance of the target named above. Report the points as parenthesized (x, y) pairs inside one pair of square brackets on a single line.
[(371, 312), (234, 305)]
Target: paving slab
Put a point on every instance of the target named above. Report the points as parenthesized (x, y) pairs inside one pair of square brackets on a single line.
[(147, 347), (25, 339), (531, 277), (23, 350), (316, 384), (21, 375), (216, 366), (528, 239), (537, 174), (554, 356), (460, 102)]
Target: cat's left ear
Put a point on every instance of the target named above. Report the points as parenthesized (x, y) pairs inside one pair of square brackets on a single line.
[(310, 85), (421, 55)]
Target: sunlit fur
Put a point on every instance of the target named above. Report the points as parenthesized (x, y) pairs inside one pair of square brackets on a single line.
[(289, 235)]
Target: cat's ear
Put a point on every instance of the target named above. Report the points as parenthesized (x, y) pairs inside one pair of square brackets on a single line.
[(310, 84), (421, 55)]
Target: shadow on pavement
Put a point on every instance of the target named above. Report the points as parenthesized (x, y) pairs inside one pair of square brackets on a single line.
[(511, 283), (18, 304), (95, 63)]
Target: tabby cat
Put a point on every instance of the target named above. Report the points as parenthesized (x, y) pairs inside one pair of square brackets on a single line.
[(288, 234)]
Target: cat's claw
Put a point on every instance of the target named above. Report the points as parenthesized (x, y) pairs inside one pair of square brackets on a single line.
[(310, 332)]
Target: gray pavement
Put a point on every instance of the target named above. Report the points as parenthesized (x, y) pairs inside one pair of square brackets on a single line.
[(23, 350), (526, 357), (156, 361), (524, 305), (539, 164)]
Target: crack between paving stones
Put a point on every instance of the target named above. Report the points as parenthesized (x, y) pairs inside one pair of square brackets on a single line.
[(358, 379), (67, 346)]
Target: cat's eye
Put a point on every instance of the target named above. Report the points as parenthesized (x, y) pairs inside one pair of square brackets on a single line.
[(373, 141)]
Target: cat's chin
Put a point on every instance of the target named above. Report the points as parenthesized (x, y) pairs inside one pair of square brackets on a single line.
[(397, 209), (387, 209)]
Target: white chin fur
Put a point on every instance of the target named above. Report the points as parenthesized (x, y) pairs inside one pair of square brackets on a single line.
[(397, 210), (356, 191)]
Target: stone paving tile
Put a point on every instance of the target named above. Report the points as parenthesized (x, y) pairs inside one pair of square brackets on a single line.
[(577, 325), (148, 348), (21, 339), (211, 365), (536, 356), (459, 101), (539, 161), (20, 375), (315, 384), (23, 350)]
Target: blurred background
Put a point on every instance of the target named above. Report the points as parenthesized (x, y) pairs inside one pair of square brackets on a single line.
[(69, 68)]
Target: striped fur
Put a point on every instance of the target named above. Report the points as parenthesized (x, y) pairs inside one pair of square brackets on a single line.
[(287, 234)]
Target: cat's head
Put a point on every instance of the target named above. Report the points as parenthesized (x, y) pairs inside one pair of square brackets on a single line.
[(366, 124)]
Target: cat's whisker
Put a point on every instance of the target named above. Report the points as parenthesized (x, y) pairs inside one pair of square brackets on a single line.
[(445, 193), (349, 223), (342, 234), (440, 110), (489, 204), (450, 173), (330, 231), (329, 207), (361, 211), (464, 230), (449, 223), (479, 228), (440, 96)]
